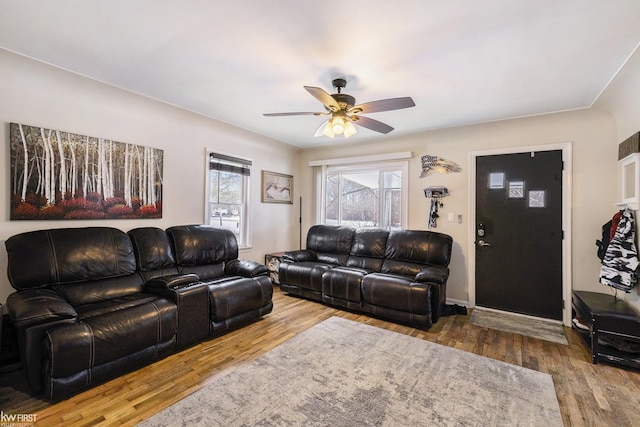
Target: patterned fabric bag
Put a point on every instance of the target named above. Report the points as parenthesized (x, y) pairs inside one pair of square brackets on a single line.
[(620, 264)]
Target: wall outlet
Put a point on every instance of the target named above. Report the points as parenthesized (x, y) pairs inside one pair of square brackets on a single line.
[(451, 217)]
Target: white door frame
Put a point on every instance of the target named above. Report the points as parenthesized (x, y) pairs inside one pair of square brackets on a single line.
[(566, 218)]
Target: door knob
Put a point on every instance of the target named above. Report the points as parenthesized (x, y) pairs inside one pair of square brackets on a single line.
[(483, 243)]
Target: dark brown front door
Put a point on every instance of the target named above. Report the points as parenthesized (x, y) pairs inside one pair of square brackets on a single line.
[(519, 233)]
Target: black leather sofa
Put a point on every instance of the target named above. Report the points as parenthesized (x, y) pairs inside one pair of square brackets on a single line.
[(93, 303), (395, 275)]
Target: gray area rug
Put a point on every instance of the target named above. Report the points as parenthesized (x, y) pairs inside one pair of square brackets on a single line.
[(506, 322), (343, 373)]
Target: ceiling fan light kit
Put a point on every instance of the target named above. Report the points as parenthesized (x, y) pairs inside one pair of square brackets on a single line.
[(349, 129), (339, 124), (344, 113)]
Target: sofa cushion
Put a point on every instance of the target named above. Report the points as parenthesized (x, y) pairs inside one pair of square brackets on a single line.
[(334, 259), (68, 255), (306, 274), (408, 251), (100, 290), (202, 244), (369, 264), (109, 336), (368, 249), (369, 242), (233, 296), (396, 292), (330, 239), (343, 283), (417, 246), (88, 311), (152, 248)]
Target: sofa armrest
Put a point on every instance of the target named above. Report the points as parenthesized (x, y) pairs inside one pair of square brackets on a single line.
[(299, 256), (172, 281), (245, 268), (433, 274), (38, 306)]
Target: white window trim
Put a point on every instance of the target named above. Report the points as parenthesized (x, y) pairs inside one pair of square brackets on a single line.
[(374, 158), (247, 194)]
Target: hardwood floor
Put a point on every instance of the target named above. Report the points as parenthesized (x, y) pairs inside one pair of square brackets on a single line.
[(589, 395)]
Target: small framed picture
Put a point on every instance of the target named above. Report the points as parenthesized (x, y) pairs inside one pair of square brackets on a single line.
[(537, 199), (277, 187), (516, 189)]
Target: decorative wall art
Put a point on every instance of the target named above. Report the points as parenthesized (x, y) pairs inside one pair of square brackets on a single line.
[(277, 188), (61, 175), (435, 164)]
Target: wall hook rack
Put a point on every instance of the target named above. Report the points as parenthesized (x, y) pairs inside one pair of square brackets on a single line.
[(435, 194)]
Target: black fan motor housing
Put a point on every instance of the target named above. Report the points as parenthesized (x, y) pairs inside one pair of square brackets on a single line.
[(343, 98)]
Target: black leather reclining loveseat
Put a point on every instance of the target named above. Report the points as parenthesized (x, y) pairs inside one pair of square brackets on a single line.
[(94, 303), (396, 275)]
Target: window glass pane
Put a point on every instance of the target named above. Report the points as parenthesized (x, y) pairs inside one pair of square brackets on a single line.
[(392, 201), (392, 215), (230, 187), (364, 197), (496, 180), (359, 197), (227, 216), (332, 203)]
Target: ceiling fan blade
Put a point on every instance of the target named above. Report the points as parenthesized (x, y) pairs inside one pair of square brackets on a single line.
[(297, 113), (322, 96), (383, 105), (372, 124)]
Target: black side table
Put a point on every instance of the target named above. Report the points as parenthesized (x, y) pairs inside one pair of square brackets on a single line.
[(609, 320)]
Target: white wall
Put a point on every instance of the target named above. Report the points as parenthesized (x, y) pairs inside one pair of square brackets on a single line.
[(592, 134), (622, 100), (34, 93)]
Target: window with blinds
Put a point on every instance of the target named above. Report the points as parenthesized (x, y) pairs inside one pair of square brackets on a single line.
[(227, 195)]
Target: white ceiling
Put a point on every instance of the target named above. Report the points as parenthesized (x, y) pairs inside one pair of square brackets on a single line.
[(462, 61)]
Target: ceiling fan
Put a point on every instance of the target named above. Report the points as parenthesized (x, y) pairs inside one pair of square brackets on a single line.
[(345, 113)]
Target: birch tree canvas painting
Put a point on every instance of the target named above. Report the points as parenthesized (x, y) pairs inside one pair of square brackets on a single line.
[(62, 175)]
